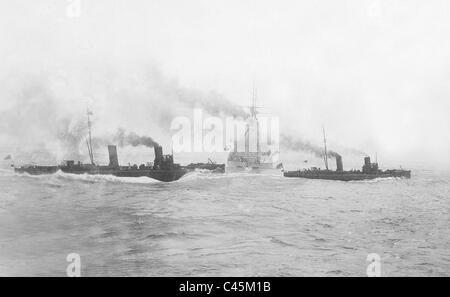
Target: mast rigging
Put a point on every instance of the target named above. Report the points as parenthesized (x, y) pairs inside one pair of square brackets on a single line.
[(325, 145)]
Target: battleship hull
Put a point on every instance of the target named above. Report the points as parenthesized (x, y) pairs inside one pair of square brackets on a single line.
[(251, 162), (237, 166), (348, 176)]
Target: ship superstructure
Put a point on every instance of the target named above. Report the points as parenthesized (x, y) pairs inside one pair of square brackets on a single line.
[(252, 158)]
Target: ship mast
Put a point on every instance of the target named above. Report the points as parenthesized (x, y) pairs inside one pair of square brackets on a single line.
[(254, 115), (247, 128), (325, 157), (89, 140), (253, 108)]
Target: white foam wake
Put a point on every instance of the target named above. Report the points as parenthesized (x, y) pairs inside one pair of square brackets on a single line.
[(209, 175), (6, 172), (91, 177), (378, 180), (105, 178)]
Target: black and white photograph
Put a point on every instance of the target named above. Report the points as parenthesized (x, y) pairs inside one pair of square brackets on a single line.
[(235, 141)]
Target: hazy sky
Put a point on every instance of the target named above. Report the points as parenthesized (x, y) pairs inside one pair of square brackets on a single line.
[(375, 73)]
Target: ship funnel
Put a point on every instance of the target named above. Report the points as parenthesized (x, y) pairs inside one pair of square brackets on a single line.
[(113, 159), (367, 161), (158, 155), (339, 166)]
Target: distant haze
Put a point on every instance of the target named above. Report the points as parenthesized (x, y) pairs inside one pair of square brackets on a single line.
[(374, 73)]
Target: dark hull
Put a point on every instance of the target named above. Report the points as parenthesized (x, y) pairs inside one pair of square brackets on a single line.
[(347, 176), (161, 175), (158, 174)]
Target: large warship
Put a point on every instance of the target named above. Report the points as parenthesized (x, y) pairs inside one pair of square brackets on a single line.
[(369, 170), (248, 160), (163, 168)]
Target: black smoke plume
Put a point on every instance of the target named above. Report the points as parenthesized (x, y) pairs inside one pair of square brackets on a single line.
[(305, 146), (163, 89), (123, 138), (212, 102)]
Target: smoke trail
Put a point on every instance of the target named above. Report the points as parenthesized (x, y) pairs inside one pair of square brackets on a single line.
[(123, 138), (47, 114), (174, 96), (299, 145), (70, 134), (212, 103), (37, 122)]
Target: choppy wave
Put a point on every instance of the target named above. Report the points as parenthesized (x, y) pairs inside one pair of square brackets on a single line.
[(189, 177), (220, 224), (378, 180), (107, 178), (209, 175), (7, 172)]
